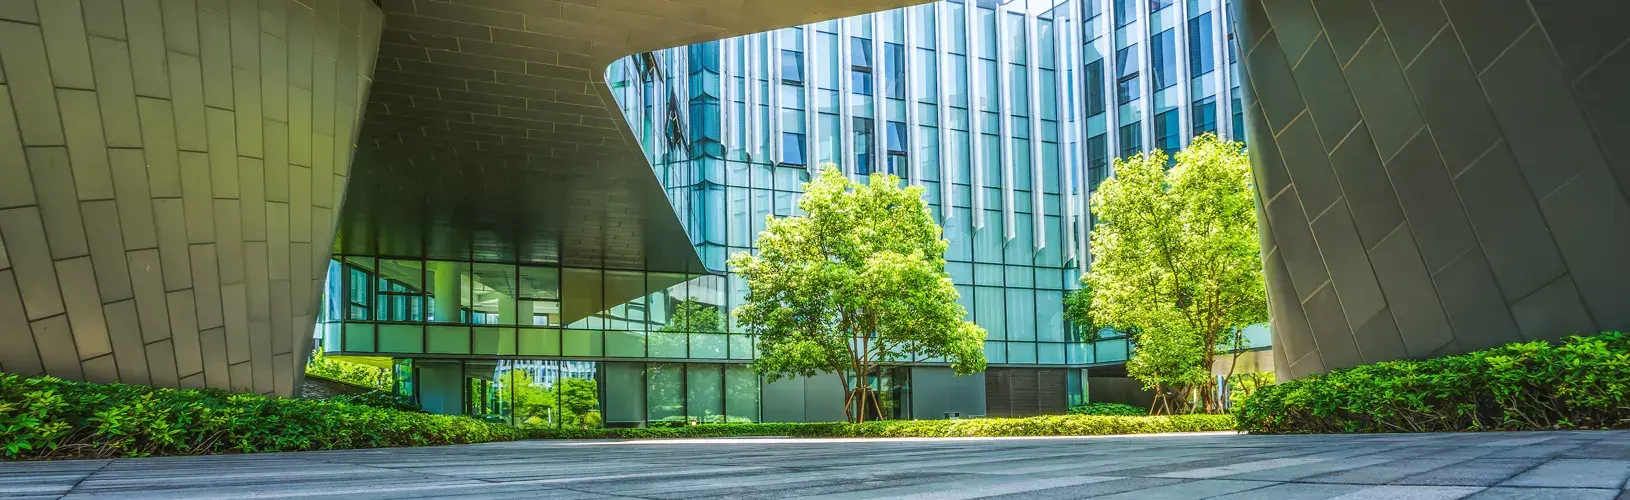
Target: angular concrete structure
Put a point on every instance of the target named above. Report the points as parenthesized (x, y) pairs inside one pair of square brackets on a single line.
[(171, 175), (172, 171), (1437, 176)]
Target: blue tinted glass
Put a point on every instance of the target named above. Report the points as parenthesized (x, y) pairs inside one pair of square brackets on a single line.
[(1205, 116), (1126, 61), (1163, 59), (860, 82), (1239, 121), (1097, 160), (860, 52), (1166, 133), (863, 145), (792, 148), (897, 137), (1131, 139), (1201, 60), (894, 58), (1124, 12), (1094, 77), (1127, 89), (792, 67)]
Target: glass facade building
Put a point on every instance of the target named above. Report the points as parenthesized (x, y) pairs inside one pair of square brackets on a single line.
[(1008, 114)]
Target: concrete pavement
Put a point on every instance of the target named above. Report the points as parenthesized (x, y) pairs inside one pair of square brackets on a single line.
[(1543, 465)]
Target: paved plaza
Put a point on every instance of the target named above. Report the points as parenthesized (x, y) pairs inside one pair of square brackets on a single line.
[(1546, 465)]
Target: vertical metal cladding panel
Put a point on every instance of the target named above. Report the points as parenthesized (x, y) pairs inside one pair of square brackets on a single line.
[(976, 148), (112, 100), (1004, 128), (1450, 280), (1219, 57), (942, 47)]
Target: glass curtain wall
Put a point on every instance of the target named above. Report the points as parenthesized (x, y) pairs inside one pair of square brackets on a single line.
[(1008, 114)]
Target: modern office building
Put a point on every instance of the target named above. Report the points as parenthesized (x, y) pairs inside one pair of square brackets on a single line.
[(1438, 177), (1007, 114), (545, 192)]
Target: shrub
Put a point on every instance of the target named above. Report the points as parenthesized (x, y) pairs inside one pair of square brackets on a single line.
[(1582, 383), (378, 399), (1047, 425), (1107, 409), (45, 417), (685, 431), (356, 374)]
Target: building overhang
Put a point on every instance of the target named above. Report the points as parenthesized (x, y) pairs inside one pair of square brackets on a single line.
[(490, 133)]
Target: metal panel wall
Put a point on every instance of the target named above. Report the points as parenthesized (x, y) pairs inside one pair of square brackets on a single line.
[(169, 179), (1438, 176)]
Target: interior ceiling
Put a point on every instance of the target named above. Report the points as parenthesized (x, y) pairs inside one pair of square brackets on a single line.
[(490, 132)]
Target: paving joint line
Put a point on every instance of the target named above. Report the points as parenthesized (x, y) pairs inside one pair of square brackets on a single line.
[(87, 476)]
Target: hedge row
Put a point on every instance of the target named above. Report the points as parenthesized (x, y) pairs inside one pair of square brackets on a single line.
[(45, 417), (1582, 383), (689, 431), (1097, 408), (1047, 425), (1050, 425)]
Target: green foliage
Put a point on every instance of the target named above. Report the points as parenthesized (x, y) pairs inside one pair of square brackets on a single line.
[(45, 417), (857, 283), (1107, 409), (347, 372), (1078, 310), (576, 406), (692, 315), (1049, 425), (1176, 259), (1242, 385), (378, 399), (1582, 383), (679, 429)]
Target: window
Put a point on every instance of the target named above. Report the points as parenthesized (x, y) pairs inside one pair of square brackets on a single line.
[(1125, 12), (1201, 60), (1095, 87), (1131, 139), (1167, 134), (1126, 90), (928, 72), (357, 298), (1205, 116), (1097, 160), (897, 148), (1089, 9), (792, 67), (792, 149), (1163, 59), (1126, 74), (860, 66), (1239, 118), (1156, 5), (863, 146), (894, 65), (897, 137)]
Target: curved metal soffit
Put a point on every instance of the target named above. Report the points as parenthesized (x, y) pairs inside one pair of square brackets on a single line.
[(490, 132)]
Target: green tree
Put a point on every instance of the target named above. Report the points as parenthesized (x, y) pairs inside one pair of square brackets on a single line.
[(857, 283), (528, 403), (579, 403), (688, 316), (1176, 257)]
